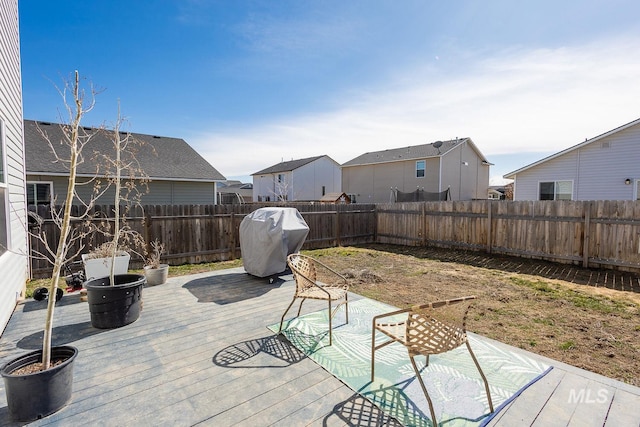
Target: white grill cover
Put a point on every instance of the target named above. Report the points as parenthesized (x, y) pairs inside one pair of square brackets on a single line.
[(267, 236)]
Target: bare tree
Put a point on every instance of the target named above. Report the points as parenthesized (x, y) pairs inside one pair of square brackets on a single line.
[(282, 188), (74, 141), (127, 190)]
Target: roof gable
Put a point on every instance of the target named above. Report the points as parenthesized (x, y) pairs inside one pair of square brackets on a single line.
[(511, 175), (170, 158)]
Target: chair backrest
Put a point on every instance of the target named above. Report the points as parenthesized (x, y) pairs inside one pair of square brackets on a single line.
[(437, 327), (304, 271)]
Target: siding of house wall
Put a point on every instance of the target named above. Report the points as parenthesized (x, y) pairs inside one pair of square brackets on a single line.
[(373, 183), (160, 192), (12, 264), (304, 183), (598, 170), (186, 193), (464, 174), (265, 186), (308, 180)]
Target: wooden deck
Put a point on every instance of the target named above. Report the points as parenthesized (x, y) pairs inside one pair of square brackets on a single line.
[(201, 354)]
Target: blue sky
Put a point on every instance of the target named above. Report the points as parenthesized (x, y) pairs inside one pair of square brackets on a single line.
[(249, 83)]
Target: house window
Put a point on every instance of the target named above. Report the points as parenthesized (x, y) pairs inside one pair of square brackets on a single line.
[(421, 166), (280, 177), (556, 190), (4, 193), (323, 190), (637, 189), (38, 193)]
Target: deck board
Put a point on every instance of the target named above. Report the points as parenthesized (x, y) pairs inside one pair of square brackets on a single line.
[(201, 354)]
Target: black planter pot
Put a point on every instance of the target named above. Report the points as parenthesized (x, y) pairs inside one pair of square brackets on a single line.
[(33, 396), (117, 305)]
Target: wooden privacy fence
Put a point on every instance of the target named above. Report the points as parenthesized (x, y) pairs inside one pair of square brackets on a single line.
[(598, 234), (205, 233), (592, 234)]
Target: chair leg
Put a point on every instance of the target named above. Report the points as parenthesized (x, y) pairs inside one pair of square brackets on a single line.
[(300, 308), (346, 306), (330, 326), (484, 379), (373, 350), (285, 313), (424, 390)]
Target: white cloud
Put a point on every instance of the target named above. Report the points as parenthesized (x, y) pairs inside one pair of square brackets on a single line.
[(517, 100)]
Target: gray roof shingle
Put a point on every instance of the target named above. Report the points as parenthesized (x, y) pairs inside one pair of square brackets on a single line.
[(404, 153), (170, 158), (287, 166)]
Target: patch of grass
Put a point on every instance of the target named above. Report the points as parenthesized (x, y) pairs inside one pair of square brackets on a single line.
[(567, 345), (578, 299), (184, 269), (339, 251), (544, 321)]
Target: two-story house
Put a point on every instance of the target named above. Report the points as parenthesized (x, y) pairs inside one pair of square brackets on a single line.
[(302, 179), (451, 170)]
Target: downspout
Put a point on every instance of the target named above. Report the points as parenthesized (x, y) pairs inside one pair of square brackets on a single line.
[(440, 173), (577, 180)]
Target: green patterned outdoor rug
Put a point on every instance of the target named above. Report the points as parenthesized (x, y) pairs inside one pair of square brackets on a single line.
[(453, 382)]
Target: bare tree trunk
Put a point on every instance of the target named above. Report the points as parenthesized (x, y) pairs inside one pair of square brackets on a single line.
[(65, 224)]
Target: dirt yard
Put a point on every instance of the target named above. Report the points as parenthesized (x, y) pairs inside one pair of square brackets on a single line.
[(585, 318)]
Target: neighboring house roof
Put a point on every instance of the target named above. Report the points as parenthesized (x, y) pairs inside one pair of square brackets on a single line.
[(287, 166), (234, 186), (435, 149), (512, 175), (173, 159)]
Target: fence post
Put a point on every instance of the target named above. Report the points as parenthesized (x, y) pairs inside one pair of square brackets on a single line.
[(338, 241), (147, 229), (424, 224), (587, 226), (233, 235), (489, 226)]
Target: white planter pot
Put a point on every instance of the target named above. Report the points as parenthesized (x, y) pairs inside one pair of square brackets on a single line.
[(96, 268), (156, 276)]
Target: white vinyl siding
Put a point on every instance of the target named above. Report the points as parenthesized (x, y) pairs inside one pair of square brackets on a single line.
[(304, 183), (4, 194), (13, 263), (598, 169)]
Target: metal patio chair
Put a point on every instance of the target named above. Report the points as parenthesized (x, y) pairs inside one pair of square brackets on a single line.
[(333, 288), (426, 329)]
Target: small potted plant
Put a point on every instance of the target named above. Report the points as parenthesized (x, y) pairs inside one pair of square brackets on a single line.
[(154, 270)]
